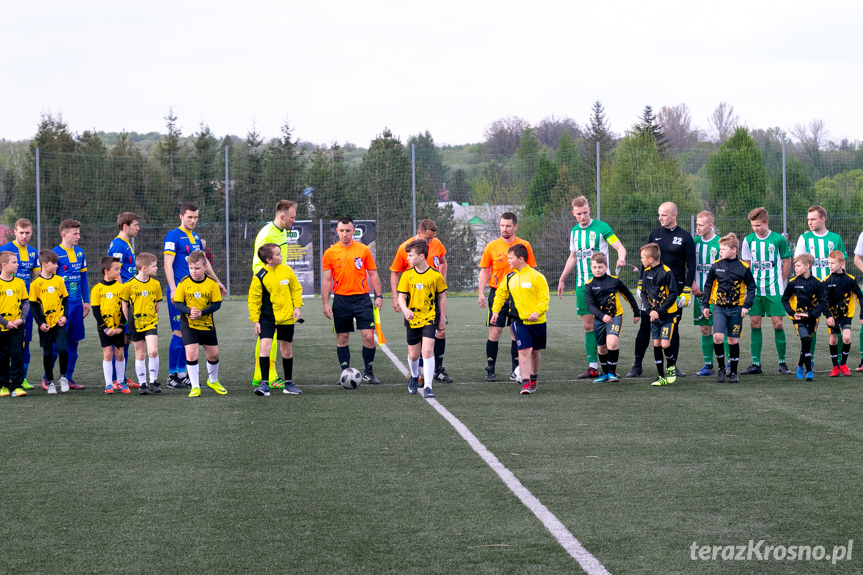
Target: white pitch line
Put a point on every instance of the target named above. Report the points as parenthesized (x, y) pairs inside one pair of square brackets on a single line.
[(567, 540)]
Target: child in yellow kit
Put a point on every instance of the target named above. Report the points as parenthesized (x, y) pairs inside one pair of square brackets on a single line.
[(14, 305), (107, 306), (141, 297)]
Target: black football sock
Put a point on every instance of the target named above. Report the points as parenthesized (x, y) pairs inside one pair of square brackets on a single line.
[(834, 354), (846, 350), (288, 365), (734, 356), (658, 359), (368, 357), (439, 349), (513, 350), (491, 352), (719, 350), (264, 362), (603, 362), (344, 355)]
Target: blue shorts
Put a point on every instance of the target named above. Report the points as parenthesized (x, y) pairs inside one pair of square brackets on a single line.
[(602, 330), (75, 322), (663, 328), (529, 335), (844, 323), (174, 314), (28, 327), (727, 320)]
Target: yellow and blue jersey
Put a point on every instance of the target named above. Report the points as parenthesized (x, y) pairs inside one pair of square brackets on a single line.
[(122, 250), (72, 267), (180, 243), (28, 260)]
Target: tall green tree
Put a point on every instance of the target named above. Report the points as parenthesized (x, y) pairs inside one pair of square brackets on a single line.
[(597, 131), (738, 179), (539, 190), (650, 126), (56, 144), (460, 189), (642, 178), (431, 173), (527, 156)]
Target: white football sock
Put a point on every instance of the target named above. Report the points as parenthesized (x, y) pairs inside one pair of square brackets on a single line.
[(107, 369), (154, 369), (141, 370), (415, 367), (213, 371), (121, 370), (192, 372), (428, 371)]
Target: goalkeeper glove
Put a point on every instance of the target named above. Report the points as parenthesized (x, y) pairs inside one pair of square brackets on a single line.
[(685, 299)]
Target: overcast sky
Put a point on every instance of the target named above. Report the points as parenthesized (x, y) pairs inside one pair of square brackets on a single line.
[(343, 70)]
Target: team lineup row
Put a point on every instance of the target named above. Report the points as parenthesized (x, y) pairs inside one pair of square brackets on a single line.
[(350, 273)]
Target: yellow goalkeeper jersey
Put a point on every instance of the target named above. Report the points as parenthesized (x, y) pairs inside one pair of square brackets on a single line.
[(529, 291)]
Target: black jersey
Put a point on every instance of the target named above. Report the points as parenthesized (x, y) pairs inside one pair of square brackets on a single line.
[(601, 296), (841, 289), (677, 252), (806, 295), (729, 283), (659, 290)]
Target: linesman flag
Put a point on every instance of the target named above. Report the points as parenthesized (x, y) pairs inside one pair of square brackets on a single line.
[(378, 329)]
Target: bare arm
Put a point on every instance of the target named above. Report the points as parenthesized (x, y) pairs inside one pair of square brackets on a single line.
[(786, 267), (483, 279), (443, 266), (621, 253), (441, 302), (567, 269), (326, 288), (169, 274), (210, 272), (375, 281), (394, 284)]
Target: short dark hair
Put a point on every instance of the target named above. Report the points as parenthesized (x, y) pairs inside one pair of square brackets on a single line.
[(48, 256), (509, 216), (5, 259), (106, 262), (652, 250), (345, 220), (519, 251), (427, 226), (68, 225), (188, 207), (418, 247), (126, 219), (599, 258), (265, 252)]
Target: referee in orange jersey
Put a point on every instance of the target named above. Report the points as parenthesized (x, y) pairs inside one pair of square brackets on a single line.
[(493, 268), (437, 260), (348, 270)]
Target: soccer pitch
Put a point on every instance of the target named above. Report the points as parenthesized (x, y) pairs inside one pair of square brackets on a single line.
[(377, 481)]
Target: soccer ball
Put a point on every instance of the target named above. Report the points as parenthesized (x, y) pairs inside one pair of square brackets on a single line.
[(517, 372), (350, 378)]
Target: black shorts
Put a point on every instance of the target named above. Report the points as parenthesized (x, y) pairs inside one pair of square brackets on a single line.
[(55, 335), (192, 336), (503, 318), (663, 328), (727, 320), (282, 332), (601, 330), (416, 334), (118, 340), (136, 335), (346, 308), (844, 323)]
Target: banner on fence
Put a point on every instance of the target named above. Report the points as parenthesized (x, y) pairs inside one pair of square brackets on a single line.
[(300, 255), (365, 232)]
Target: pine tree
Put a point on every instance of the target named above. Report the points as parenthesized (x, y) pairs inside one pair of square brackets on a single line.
[(597, 131), (651, 127)]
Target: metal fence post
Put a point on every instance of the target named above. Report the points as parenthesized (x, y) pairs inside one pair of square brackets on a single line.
[(38, 206), (598, 210), (227, 229), (414, 184), (784, 194), (321, 257)]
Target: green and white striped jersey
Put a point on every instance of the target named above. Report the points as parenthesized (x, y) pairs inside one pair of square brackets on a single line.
[(820, 247), (586, 241), (765, 260), (706, 252)]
